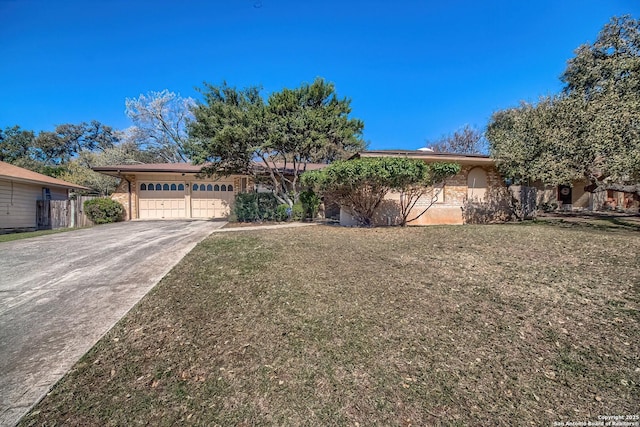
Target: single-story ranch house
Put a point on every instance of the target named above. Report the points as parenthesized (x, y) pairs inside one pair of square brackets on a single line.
[(175, 190), (20, 189)]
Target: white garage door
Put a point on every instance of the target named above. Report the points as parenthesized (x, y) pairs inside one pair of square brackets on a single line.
[(211, 199), (162, 200)]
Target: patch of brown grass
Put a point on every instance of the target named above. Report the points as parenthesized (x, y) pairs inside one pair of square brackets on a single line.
[(473, 325)]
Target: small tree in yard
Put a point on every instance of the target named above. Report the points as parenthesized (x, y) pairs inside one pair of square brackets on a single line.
[(360, 185), (589, 131)]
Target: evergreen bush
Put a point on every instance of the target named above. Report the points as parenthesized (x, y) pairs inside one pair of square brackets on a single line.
[(103, 210)]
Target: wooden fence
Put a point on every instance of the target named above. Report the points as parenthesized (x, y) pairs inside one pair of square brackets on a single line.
[(53, 214)]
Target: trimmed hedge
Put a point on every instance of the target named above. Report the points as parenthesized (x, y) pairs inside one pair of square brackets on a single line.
[(256, 207), (103, 210)]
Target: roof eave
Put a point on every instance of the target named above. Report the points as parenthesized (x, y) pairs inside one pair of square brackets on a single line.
[(119, 171), (43, 183)]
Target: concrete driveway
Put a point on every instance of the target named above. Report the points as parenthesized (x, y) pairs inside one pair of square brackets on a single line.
[(60, 293)]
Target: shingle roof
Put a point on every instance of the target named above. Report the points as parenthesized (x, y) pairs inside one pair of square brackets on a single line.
[(17, 173)]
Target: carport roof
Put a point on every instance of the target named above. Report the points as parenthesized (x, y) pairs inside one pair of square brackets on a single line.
[(18, 174), (149, 167)]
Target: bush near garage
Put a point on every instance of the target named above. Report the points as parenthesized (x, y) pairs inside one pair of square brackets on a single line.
[(257, 207), (103, 210)]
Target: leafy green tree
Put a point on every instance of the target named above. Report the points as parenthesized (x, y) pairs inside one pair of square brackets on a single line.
[(610, 64), (17, 147), (69, 140), (237, 131), (71, 150), (49, 152), (589, 131), (360, 185), (86, 137)]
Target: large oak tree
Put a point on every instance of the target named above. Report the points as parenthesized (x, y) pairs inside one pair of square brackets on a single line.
[(589, 131)]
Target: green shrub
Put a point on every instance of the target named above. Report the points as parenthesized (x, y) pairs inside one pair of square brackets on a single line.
[(297, 213), (310, 204), (282, 212), (103, 210), (252, 207)]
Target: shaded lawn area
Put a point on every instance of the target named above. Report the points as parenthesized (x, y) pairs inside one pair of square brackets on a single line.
[(463, 325)]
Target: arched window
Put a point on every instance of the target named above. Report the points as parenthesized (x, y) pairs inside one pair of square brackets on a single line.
[(165, 187), (202, 187), (477, 184), (216, 187), (223, 187), (173, 187), (150, 186), (158, 187), (143, 187), (209, 187), (229, 187), (195, 187), (180, 187)]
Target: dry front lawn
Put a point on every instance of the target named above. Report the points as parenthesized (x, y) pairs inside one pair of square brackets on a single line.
[(467, 325)]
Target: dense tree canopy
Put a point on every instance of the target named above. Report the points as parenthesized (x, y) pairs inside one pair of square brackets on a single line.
[(17, 146), (237, 131), (591, 130), (48, 152), (79, 170), (71, 150), (360, 185)]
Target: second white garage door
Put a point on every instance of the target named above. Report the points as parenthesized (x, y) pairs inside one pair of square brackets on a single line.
[(211, 199)]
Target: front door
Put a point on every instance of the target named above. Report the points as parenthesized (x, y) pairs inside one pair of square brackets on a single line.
[(564, 194)]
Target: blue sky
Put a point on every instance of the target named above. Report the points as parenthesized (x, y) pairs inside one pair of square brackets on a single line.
[(414, 70)]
